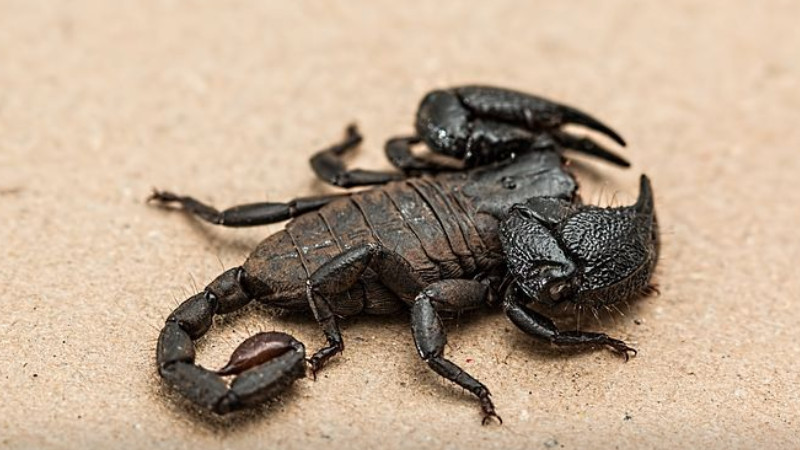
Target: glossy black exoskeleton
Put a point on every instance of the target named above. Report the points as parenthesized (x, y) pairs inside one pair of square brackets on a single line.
[(509, 232)]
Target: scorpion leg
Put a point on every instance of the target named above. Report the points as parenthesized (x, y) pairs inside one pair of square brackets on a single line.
[(329, 167), (266, 364), (430, 337), (338, 275), (398, 152), (247, 215), (542, 328)]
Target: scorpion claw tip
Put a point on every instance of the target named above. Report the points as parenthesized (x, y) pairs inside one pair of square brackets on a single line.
[(581, 118)]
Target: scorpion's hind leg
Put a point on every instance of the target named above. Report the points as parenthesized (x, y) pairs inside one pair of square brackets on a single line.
[(339, 274), (329, 166), (248, 215), (265, 364), (430, 337)]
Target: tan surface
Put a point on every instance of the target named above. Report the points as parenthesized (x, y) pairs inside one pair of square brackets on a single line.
[(98, 103)]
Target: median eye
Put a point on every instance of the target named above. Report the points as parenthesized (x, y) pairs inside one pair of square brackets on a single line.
[(508, 183)]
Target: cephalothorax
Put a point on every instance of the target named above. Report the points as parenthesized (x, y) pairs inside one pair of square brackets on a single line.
[(508, 232)]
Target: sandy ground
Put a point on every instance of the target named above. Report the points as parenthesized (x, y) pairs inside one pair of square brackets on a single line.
[(100, 101)]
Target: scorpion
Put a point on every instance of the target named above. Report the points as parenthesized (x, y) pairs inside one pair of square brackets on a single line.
[(498, 224)]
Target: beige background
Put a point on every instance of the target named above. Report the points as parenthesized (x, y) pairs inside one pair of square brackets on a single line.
[(100, 101)]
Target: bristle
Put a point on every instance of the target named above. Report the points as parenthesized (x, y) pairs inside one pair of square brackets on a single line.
[(194, 281), (651, 289)]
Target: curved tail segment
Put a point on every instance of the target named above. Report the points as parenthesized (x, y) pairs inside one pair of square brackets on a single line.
[(264, 365)]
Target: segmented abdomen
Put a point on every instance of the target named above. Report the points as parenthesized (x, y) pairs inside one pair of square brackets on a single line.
[(430, 226)]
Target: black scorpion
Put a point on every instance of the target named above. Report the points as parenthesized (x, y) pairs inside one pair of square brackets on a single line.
[(504, 227)]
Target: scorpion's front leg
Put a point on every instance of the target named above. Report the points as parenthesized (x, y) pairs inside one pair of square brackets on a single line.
[(265, 364), (542, 328), (430, 337), (338, 275)]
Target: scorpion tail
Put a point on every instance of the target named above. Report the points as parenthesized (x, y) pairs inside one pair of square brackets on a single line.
[(265, 364)]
